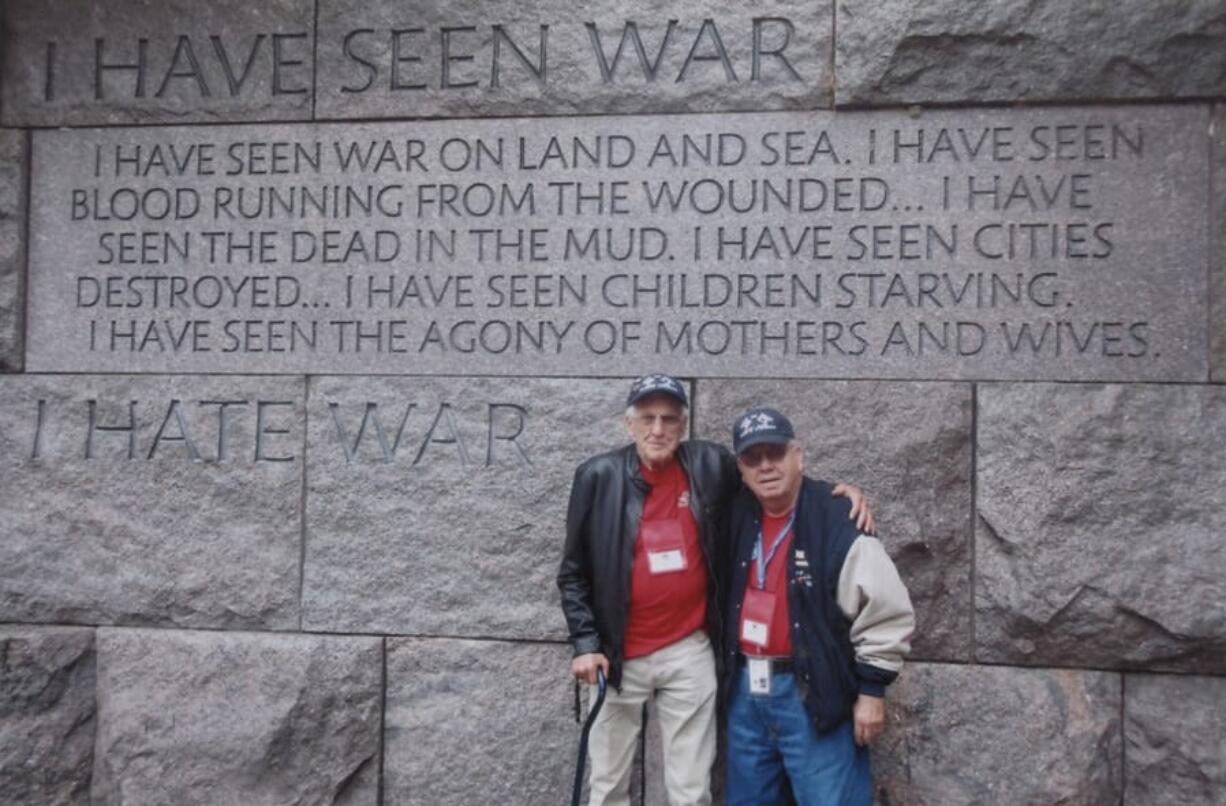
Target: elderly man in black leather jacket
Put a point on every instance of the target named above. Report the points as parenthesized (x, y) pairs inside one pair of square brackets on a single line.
[(641, 589)]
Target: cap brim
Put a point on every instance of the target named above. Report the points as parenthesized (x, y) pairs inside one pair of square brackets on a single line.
[(763, 439), (658, 391)]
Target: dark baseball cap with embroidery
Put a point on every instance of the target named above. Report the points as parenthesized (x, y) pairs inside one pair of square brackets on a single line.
[(655, 384), (761, 426)]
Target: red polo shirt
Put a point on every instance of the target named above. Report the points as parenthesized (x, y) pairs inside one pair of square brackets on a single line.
[(664, 608)]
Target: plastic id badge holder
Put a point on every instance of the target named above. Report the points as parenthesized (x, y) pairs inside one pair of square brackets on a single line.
[(759, 676), (665, 545), (756, 613)]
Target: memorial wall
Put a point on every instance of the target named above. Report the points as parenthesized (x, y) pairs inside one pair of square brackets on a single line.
[(309, 309)]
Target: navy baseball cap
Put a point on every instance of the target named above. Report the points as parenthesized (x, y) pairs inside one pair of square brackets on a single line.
[(654, 384), (761, 426)]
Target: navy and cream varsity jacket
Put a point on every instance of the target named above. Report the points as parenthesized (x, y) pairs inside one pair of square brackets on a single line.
[(851, 617)]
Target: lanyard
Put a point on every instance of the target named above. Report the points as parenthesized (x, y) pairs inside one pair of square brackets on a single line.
[(778, 541)]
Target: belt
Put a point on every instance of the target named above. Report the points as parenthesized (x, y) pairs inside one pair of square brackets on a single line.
[(778, 665)]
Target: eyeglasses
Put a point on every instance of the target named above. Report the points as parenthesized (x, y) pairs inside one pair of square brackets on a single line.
[(752, 457), (669, 422)]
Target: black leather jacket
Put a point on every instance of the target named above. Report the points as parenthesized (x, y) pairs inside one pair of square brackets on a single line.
[(602, 522)]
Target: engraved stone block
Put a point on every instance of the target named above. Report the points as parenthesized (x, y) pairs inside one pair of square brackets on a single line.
[(554, 58), (258, 719), (983, 734), (79, 62), (14, 167), (161, 501), (438, 506), (1175, 740), (905, 51), (478, 722), (908, 445), (46, 714), (1099, 538), (1055, 243), (1217, 248)]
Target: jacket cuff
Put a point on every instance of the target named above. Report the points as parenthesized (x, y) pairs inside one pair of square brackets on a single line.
[(872, 689), (874, 679), (586, 645)]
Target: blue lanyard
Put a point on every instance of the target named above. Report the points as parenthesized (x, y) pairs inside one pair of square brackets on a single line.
[(778, 541)]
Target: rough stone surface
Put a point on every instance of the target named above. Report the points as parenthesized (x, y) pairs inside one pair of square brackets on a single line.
[(450, 532), (909, 259), (358, 76), (224, 60), (14, 165), (1101, 518), (1174, 740), (126, 527), (982, 734), (907, 51), (1217, 253), (908, 445), (207, 718), (46, 715), (478, 722)]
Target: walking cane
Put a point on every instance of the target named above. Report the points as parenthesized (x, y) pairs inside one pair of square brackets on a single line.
[(587, 728)]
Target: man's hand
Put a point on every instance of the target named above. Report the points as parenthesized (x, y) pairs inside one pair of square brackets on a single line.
[(869, 718), (860, 512), (584, 666)]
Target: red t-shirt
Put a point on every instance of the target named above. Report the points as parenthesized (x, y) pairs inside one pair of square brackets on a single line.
[(664, 608), (779, 636)]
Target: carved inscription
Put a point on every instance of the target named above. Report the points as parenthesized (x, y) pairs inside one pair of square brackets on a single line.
[(429, 435), (77, 62), (177, 61), (450, 57), (256, 430), (381, 61), (1056, 243), (206, 67), (211, 431)]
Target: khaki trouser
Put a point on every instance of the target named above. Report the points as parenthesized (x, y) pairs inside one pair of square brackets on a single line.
[(681, 678)]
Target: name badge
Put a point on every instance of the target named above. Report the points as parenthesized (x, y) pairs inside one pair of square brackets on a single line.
[(664, 542), (665, 562), (759, 676), (756, 613)]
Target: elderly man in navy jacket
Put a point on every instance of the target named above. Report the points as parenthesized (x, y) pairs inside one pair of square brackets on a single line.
[(818, 625)]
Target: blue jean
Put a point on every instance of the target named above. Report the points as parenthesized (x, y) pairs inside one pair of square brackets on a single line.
[(770, 737)]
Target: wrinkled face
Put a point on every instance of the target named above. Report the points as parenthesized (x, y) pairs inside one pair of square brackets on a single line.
[(773, 472), (656, 425)]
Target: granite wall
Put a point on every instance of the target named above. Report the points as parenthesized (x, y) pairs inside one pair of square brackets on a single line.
[(308, 308)]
